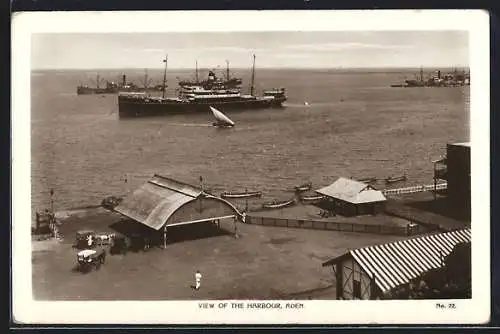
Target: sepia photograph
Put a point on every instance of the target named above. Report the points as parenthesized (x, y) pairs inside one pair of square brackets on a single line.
[(268, 174)]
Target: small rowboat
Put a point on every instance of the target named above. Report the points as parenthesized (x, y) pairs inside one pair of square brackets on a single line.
[(278, 205), (368, 180), (395, 179), (303, 187), (311, 198), (241, 195)]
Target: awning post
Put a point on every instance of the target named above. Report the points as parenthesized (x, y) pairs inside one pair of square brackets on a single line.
[(165, 236), (235, 220)]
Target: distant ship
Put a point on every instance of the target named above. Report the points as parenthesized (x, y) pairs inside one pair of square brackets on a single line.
[(454, 79), (198, 97), (228, 81), (112, 87)]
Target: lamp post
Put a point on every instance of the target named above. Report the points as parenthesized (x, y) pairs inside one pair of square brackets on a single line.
[(52, 200)]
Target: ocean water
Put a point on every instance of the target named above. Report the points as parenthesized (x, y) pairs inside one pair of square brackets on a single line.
[(354, 125)]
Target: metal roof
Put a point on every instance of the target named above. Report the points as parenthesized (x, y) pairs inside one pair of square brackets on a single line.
[(352, 191), (155, 201), (396, 263)]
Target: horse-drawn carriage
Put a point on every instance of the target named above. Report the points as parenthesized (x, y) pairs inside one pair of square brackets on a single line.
[(84, 239), (91, 258)]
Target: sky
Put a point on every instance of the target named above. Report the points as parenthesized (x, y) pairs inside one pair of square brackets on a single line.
[(336, 49)]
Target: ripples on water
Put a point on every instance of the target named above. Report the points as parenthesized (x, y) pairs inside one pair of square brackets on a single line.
[(355, 126)]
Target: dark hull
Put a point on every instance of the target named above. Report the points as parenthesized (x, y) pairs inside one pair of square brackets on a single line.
[(92, 91), (137, 108)]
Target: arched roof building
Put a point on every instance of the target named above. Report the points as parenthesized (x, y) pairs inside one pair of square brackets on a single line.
[(163, 202)]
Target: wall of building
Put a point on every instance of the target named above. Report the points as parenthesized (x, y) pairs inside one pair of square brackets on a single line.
[(352, 278), (201, 208), (458, 175)]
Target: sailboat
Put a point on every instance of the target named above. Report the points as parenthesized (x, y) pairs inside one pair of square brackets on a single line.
[(222, 120)]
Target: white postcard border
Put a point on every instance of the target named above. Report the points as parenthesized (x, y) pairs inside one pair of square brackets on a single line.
[(26, 310)]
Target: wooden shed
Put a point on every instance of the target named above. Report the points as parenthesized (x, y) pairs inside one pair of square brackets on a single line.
[(370, 272), (351, 198)]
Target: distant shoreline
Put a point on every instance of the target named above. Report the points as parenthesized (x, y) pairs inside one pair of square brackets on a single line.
[(315, 69)]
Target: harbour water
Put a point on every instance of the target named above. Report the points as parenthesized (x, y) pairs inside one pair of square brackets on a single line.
[(355, 125)]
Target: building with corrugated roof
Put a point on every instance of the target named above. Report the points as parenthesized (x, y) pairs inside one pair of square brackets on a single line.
[(163, 202), (350, 197), (370, 272)]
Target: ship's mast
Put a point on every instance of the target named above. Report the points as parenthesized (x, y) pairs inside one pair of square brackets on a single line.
[(197, 80), (227, 70), (421, 73), (164, 75), (145, 80), (253, 76), (98, 79)]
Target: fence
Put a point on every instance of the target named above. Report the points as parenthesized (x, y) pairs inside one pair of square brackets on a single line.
[(423, 218), (415, 189), (410, 229)]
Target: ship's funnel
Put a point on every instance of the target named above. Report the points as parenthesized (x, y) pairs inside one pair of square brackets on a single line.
[(439, 74), (124, 80)]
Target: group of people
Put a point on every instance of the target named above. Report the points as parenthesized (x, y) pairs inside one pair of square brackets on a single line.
[(48, 219)]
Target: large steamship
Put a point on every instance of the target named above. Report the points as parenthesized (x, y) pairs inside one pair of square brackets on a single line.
[(198, 96)]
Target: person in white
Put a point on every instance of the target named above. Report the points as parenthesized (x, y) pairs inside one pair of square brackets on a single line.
[(89, 241), (197, 277)]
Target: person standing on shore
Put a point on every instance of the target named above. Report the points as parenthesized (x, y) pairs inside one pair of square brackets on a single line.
[(197, 277)]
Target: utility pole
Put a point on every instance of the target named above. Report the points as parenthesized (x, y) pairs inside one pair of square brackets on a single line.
[(165, 76), (52, 200)]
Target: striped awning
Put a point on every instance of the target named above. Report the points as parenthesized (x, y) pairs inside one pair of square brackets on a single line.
[(396, 263)]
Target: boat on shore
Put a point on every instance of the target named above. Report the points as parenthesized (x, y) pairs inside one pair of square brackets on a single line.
[(278, 204), (198, 98), (312, 199), (394, 179), (303, 187), (368, 180), (245, 194)]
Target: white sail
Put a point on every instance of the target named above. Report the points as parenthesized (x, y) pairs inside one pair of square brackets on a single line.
[(221, 117)]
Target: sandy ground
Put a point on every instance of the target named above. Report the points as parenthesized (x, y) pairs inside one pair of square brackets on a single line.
[(264, 263)]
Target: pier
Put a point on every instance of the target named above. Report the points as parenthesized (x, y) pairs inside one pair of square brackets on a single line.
[(415, 189)]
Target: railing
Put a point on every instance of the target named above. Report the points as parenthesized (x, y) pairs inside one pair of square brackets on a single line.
[(410, 229), (415, 189)]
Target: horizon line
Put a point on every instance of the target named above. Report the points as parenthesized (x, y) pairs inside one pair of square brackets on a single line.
[(264, 67)]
